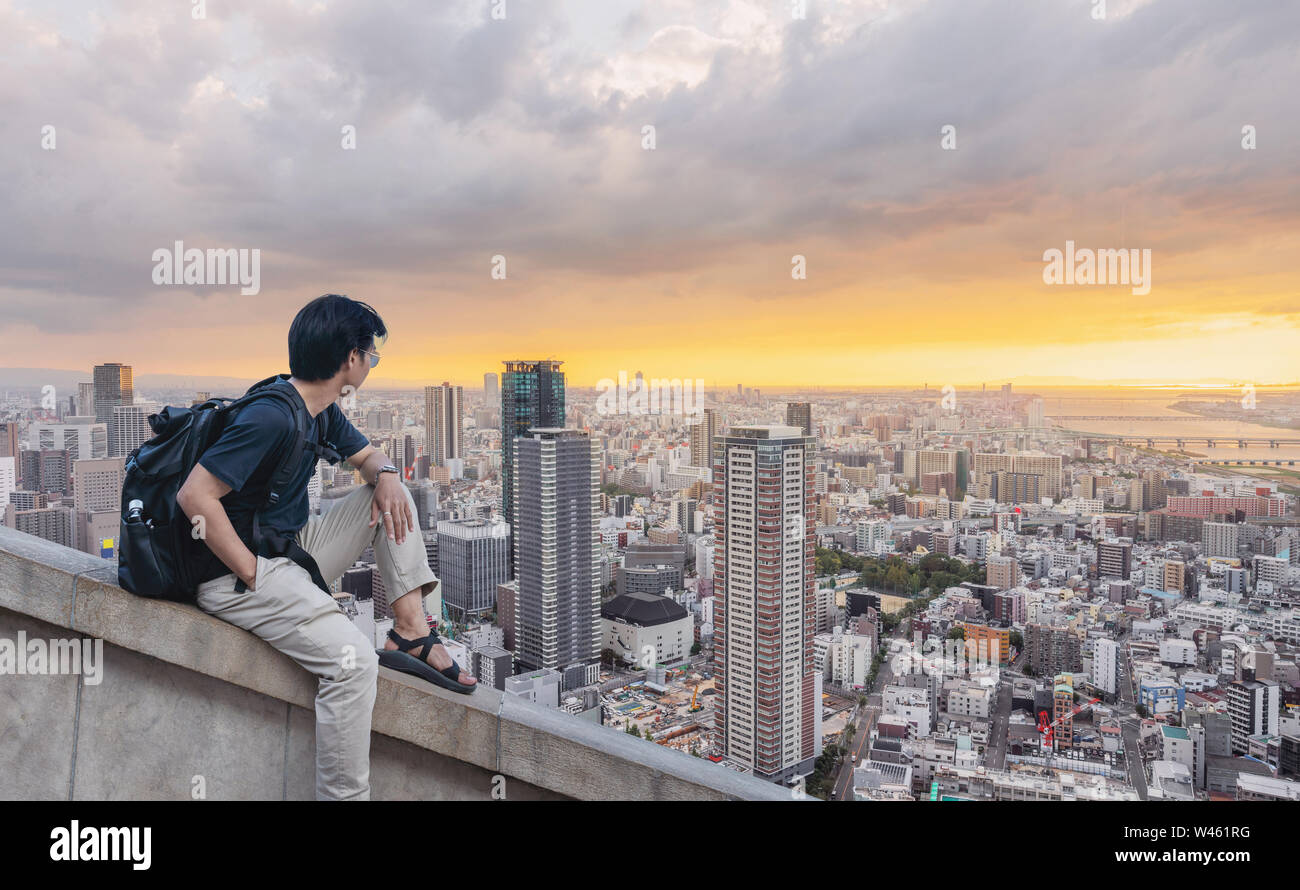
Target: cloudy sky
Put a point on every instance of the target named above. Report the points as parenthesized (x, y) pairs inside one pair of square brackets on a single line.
[(775, 136)]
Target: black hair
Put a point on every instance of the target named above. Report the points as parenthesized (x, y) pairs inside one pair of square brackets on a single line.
[(326, 330)]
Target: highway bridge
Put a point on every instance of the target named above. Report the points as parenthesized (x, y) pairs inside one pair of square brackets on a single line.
[(1181, 442), (1145, 418), (1142, 441)]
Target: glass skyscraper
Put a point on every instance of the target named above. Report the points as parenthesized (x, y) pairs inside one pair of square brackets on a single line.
[(532, 395)]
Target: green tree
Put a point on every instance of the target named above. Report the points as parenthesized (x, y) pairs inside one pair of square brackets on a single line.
[(828, 562)]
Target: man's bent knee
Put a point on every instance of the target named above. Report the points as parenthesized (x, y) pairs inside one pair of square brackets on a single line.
[(342, 651)]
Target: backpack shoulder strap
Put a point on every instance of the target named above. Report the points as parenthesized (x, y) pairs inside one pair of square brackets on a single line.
[(291, 457), (303, 439), (271, 542)]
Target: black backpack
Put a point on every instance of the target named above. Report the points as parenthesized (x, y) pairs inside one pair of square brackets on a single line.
[(160, 554)]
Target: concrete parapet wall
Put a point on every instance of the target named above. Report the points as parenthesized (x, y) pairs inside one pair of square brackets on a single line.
[(186, 699)]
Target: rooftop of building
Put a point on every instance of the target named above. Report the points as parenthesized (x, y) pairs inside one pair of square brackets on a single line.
[(642, 609)]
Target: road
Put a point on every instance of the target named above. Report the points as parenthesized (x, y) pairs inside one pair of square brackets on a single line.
[(1127, 692), (1137, 774), (996, 754), (842, 789)]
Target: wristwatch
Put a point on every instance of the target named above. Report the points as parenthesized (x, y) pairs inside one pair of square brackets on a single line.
[(387, 468)]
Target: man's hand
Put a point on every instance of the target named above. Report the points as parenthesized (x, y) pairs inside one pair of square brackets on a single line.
[(391, 506)]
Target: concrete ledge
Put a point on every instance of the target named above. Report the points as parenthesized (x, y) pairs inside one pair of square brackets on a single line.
[(428, 742)]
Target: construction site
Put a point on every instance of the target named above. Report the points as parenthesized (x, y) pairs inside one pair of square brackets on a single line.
[(672, 706)]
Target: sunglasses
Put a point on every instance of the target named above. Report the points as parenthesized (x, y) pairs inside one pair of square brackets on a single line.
[(374, 356)]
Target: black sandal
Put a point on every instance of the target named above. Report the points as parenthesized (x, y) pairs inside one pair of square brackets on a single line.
[(400, 659)]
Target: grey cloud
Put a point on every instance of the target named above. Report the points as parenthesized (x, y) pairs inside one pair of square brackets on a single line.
[(477, 137)]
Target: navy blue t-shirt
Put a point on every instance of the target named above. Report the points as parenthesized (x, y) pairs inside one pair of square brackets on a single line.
[(245, 457)]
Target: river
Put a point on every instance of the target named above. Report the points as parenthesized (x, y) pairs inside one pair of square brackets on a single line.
[(1138, 404)]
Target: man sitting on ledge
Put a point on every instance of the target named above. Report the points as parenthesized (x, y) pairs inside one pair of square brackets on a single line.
[(333, 344)]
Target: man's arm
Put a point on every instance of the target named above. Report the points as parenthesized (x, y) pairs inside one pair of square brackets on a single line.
[(201, 496), (390, 501)]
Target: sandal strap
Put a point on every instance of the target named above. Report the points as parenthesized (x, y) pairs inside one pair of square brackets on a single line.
[(452, 672), (405, 645)]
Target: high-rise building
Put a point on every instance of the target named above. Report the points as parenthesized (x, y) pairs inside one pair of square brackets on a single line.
[(1063, 712), (1045, 466), (1003, 572), (1253, 707), (1219, 539), (871, 535), (557, 551), (1115, 559), (113, 387), (9, 439), (532, 396), (55, 472), (29, 470), (1053, 650), (944, 460), (51, 523), (444, 420), (8, 478), (1015, 488), (97, 500), (82, 441), (799, 414), (1272, 569), (766, 709), (1106, 665), (129, 428), (401, 451), (939, 483), (702, 433), (1037, 414), (473, 560), (491, 394), (984, 469), (1174, 576), (86, 399), (28, 500)]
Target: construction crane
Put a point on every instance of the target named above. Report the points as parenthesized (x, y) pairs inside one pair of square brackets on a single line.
[(695, 695), (1048, 729)]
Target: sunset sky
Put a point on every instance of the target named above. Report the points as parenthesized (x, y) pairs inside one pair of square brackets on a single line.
[(775, 137)]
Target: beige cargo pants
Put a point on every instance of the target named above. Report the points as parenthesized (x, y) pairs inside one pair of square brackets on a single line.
[(295, 616)]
